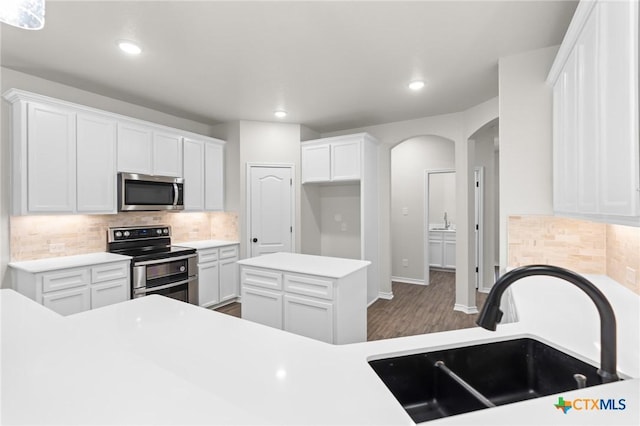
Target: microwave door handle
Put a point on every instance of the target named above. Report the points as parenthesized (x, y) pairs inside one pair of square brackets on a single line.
[(175, 194)]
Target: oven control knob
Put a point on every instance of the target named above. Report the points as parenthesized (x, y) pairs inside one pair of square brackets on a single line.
[(118, 234), (182, 269), (165, 231), (127, 233), (159, 231)]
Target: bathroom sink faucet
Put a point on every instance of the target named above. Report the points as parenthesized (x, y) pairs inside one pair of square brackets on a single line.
[(446, 223), (491, 314)]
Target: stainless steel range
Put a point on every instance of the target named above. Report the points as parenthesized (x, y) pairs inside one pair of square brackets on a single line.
[(157, 267)]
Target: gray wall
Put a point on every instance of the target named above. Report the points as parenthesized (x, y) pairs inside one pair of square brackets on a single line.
[(526, 109), (267, 143), (409, 160)]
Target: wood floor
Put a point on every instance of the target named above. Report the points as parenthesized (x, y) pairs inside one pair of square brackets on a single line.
[(418, 309), (414, 309)]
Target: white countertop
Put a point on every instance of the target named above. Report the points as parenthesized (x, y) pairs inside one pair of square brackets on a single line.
[(64, 262), (205, 244), (154, 360), (332, 267)]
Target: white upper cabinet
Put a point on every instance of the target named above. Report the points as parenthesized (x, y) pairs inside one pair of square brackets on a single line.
[(193, 158), (65, 157), (316, 163), (167, 154), (143, 149), (345, 160), (595, 100), (135, 145), (96, 164), (332, 159), (203, 164), (213, 176), (49, 145)]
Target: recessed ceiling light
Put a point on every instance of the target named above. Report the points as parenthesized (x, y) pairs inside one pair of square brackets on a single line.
[(280, 114), (416, 85), (129, 47)]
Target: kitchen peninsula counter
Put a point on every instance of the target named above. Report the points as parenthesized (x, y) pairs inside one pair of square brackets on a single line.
[(122, 363)]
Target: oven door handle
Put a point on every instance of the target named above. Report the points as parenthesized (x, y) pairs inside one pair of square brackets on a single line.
[(145, 290), (164, 260)]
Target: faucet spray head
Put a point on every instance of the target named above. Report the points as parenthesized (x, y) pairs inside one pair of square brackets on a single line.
[(490, 316)]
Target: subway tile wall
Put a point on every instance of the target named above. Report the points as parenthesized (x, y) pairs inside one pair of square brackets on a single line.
[(580, 245), (37, 237)]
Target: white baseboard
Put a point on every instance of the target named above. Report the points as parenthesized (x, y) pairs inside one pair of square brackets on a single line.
[(408, 280), (466, 309), (385, 295)]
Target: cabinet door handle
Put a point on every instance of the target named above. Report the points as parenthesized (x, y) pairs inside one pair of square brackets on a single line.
[(255, 240)]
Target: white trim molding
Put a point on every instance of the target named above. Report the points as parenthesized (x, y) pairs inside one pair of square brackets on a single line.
[(386, 295), (465, 309), (408, 280)]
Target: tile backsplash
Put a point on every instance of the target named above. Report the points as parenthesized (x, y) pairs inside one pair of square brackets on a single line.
[(580, 245), (37, 237)]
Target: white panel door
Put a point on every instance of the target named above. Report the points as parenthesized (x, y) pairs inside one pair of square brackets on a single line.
[(96, 164), (67, 302), (213, 177), (262, 306), (271, 202), (229, 280), (134, 149), (308, 317), (618, 102), (565, 171), (193, 173), (51, 158), (316, 163), (345, 160), (167, 154), (587, 101), (109, 292), (208, 284)]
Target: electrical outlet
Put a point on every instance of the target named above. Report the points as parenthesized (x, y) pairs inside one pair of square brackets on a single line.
[(193, 235), (343, 226), (56, 247), (405, 262), (631, 276), (405, 211)]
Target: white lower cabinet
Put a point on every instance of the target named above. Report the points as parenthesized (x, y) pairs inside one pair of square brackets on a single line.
[(72, 290), (329, 309), (308, 317), (217, 274), (262, 306), (109, 292), (208, 283), (229, 284), (442, 249), (67, 302)]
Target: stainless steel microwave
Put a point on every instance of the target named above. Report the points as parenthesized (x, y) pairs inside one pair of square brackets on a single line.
[(138, 192)]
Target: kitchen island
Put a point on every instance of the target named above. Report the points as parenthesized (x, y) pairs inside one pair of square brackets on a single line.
[(154, 360), (321, 297)]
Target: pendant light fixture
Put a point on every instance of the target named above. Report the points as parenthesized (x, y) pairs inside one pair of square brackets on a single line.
[(27, 14)]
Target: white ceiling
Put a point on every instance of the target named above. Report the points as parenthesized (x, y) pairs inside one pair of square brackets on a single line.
[(331, 64)]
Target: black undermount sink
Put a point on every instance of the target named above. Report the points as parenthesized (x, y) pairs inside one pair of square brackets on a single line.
[(476, 377)]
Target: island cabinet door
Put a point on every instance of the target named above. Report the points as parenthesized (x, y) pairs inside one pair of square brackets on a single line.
[(309, 317), (262, 306)]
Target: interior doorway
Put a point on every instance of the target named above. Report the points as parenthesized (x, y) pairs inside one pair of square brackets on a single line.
[(440, 218)]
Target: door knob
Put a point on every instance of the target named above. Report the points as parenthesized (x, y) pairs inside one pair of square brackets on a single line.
[(255, 240)]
